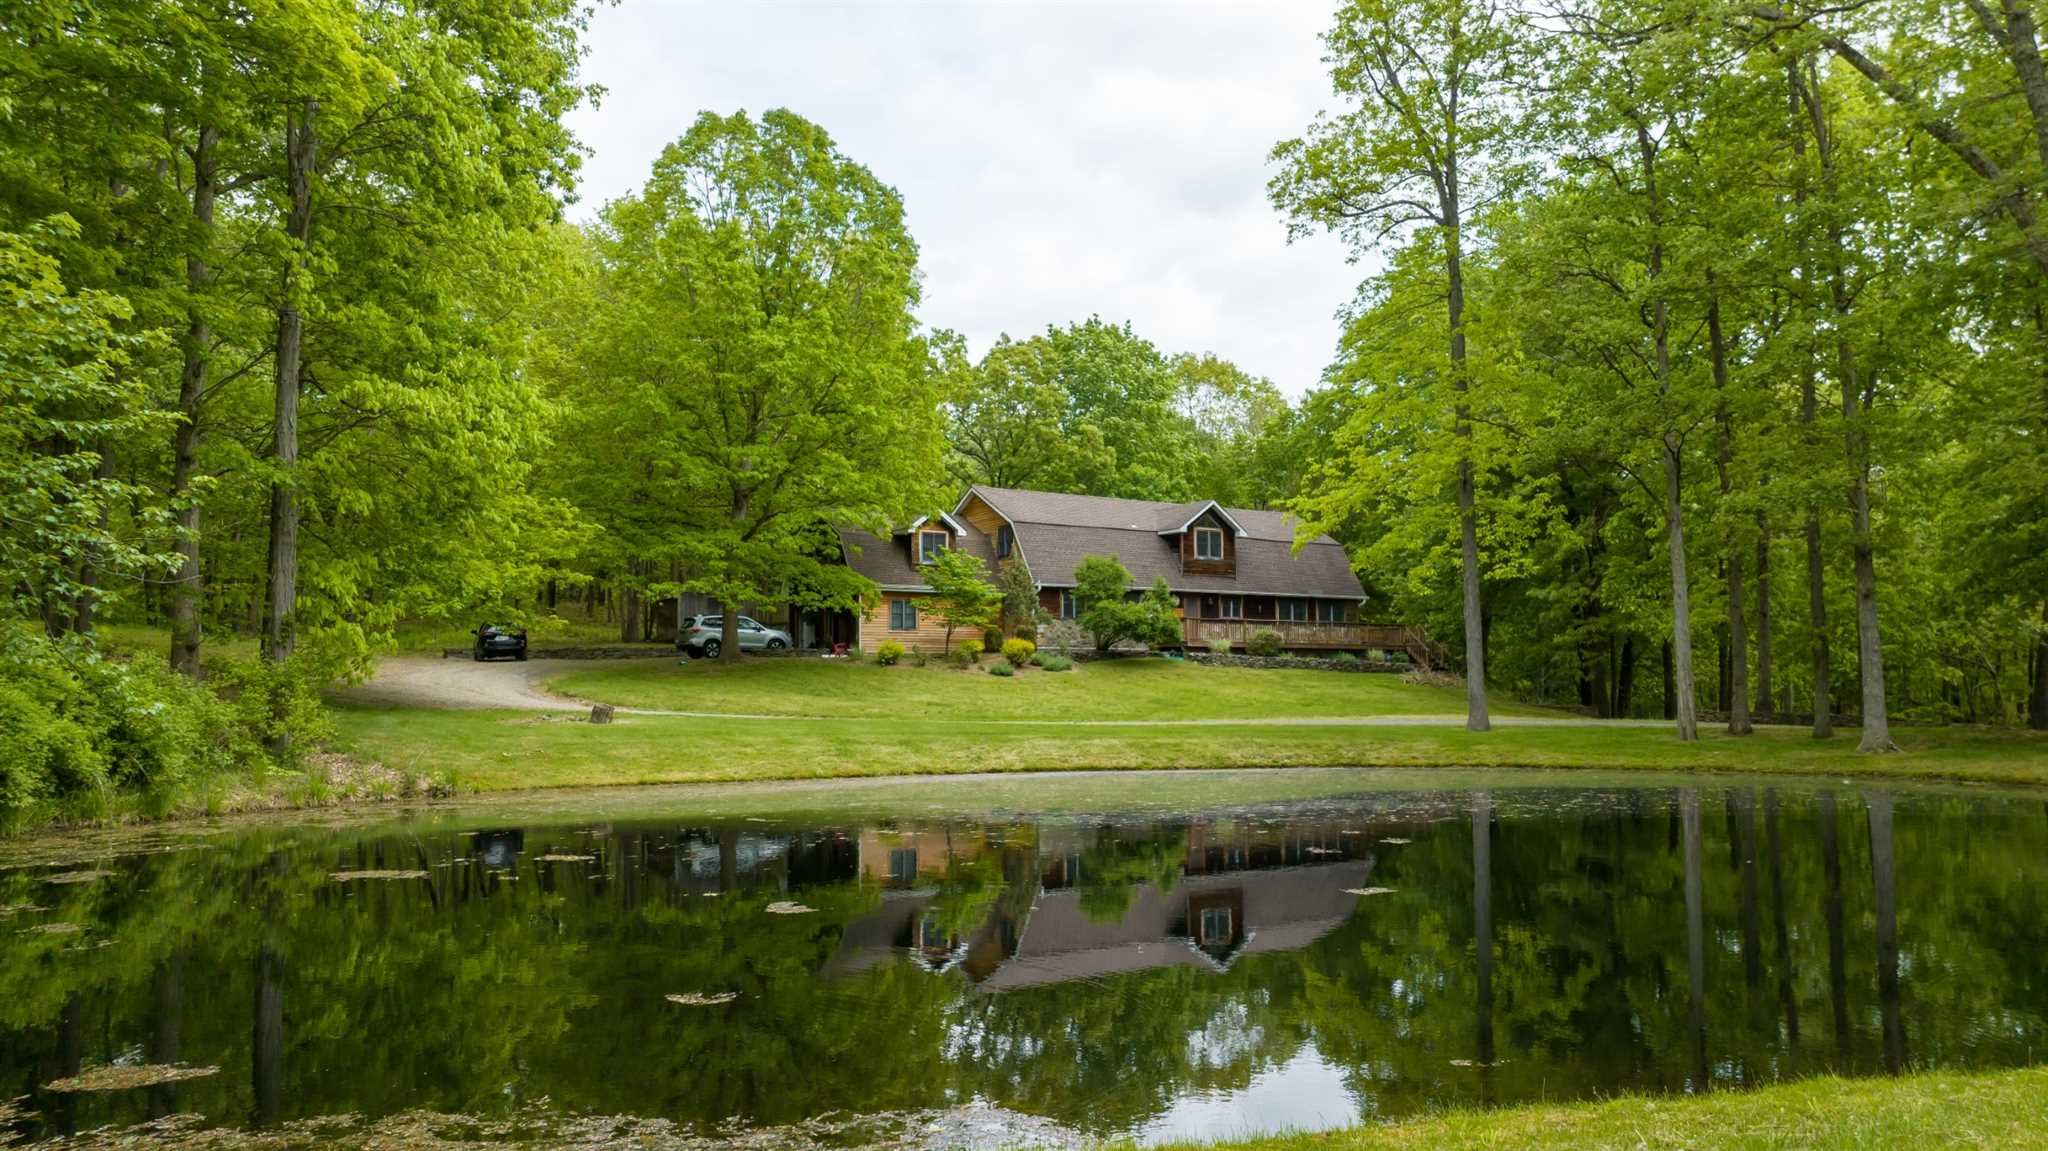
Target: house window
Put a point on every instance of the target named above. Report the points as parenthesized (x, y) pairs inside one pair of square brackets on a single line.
[(902, 615), (1208, 543), (1006, 540), (1067, 610), (1330, 611), (929, 545), (1294, 610), (903, 865), (1233, 607), (1215, 926)]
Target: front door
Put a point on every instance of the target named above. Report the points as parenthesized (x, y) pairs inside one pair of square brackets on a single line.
[(1211, 609)]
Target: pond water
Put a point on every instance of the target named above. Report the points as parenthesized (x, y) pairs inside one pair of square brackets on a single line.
[(1239, 966)]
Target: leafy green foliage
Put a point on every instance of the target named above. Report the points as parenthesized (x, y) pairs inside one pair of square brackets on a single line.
[(1264, 642), (749, 370), (888, 652), (1019, 651), (961, 598), (1003, 670)]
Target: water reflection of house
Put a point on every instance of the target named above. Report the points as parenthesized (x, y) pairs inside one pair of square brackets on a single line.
[(1204, 921), (1240, 889), (913, 857)]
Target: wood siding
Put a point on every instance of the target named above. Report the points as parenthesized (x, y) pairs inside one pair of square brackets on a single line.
[(982, 518), (1189, 565), (930, 635)]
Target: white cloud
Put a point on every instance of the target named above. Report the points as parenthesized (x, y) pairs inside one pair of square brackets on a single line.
[(1057, 160)]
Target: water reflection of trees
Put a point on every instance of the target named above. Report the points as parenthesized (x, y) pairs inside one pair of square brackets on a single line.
[(1645, 942)]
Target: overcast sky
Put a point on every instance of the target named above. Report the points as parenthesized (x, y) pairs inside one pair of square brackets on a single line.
[(1057, 160)]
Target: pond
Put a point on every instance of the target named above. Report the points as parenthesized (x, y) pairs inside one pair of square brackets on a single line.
[(1026, 963)]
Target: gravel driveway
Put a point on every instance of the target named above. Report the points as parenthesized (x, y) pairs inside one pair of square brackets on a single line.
[(430, 681)]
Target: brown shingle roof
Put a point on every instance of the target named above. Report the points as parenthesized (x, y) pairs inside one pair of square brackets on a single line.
[(887, 562), (1055, 530)]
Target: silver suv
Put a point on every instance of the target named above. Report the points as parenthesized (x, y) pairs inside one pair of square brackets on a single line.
[(703, 635)]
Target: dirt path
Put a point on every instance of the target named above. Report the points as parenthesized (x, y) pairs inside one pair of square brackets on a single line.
[(433, 682), (430, 681)]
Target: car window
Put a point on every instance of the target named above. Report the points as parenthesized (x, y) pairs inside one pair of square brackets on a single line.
[(750, 625)]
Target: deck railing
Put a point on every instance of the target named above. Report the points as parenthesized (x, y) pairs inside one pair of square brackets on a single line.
[(1302, 636)]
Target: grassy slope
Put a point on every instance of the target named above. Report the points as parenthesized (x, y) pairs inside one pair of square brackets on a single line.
[(493, 751), (2004, 1110), (1115, 689)]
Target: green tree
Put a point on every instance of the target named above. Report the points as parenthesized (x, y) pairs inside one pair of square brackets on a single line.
[(960, 596), (754, 365), (1423, 139)]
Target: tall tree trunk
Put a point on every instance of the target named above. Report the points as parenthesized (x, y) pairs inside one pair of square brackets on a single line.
[(301, 152), (1673, 448), (1681, 595), (1809, 410), (1870, 651), (1477, 717), (1764, 703), (2037, 700), (1736, 697), (1625, 679), (186, 589), (1670, 683)]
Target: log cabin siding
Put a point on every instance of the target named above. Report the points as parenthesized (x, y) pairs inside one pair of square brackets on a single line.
[(1189, 565)]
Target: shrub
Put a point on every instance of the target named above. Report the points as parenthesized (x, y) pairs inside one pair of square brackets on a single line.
[(1055, 663), (1345, 660), (969, 651), (1220, 646), (920, 658), (1002, 670), (1265, 642), (77, 723), (992, 639), (1018, 651), (888, 652)]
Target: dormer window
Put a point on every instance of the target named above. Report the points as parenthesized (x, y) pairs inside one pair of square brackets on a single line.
[(1208, 543), (929, 545)]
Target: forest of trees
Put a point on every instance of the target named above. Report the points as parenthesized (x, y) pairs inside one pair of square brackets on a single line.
[(1701, 363)]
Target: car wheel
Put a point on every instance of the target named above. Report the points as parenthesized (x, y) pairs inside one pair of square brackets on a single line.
[(694, 652), (477, 655), (775, 644), (711, 648), (521, 657)]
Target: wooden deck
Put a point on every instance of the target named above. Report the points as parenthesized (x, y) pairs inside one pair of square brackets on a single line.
[(1314, 636)]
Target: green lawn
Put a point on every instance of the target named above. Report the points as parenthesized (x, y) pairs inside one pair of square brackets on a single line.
[(2003, 1110), (495, 751), (1111, 689)]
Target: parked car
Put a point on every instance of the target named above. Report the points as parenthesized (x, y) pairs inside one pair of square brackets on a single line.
[(704, 635), (494, 640)]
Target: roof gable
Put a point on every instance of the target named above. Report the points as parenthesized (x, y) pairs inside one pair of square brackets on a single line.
[(1056, 530)]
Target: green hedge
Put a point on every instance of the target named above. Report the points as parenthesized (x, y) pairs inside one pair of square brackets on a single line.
[(80, 726)]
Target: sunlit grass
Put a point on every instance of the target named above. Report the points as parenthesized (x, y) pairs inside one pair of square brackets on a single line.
[(494, 751), (1125, 689), (2003, 1110)]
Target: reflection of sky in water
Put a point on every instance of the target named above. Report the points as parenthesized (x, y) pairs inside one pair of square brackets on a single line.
[(1306, 1093)]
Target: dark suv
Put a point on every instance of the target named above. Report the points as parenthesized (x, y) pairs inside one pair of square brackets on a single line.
[(493, 641)]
